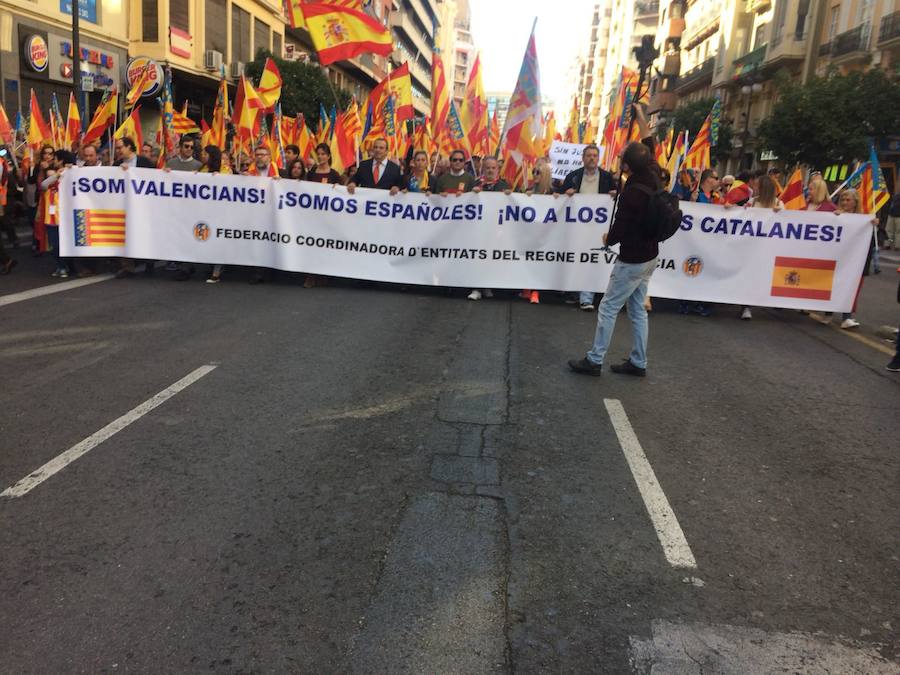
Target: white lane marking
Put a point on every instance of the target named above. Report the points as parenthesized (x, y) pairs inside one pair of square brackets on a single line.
[(674, 545), (52, 288), (59, 462)]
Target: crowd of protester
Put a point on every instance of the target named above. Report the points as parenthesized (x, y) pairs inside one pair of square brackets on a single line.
[(31, 194)]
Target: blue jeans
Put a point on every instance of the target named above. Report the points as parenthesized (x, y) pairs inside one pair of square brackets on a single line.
[(627, 284), (586, 298)]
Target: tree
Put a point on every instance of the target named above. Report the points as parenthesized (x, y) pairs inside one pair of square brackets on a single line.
[(691, 117), (831, 119), (305, 87)]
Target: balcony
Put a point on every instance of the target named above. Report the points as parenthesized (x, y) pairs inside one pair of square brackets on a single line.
[(695, 77), (825, 49), (791, 47), (749, 62), (402, 23), (644, 10), (889, 35), (757, 6), (852, 45)]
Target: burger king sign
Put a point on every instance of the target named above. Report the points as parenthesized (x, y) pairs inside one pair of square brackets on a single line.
[(136, 67), (36, 53)]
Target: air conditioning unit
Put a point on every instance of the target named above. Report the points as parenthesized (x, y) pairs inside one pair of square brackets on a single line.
[(212, 60), (236, 70)]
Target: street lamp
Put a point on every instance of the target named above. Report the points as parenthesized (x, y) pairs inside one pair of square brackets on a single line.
[(76, 57), (748, 90)]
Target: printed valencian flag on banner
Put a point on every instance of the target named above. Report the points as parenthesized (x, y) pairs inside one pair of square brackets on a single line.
[(811, 278), (99, 227)]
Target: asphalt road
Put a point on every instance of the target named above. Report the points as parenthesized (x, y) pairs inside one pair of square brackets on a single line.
[(367, 479)]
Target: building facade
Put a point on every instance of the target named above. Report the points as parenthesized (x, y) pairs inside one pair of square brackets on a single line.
[(199, 40), (733, 49), (456, 45), (36, 50)]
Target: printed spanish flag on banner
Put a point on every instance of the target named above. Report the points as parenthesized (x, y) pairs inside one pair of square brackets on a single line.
[(811, 278), (341, 33)]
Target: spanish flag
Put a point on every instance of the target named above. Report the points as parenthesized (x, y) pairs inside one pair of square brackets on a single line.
[(131, 127), (103, 117), (810, 278), (270, 83), (73, 123), (38, 130), (792, 195), (340, 33)]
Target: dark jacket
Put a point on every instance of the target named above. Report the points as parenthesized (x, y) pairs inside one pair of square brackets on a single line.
[(391, 177), (573, 181), (628, 228), (142, 163)]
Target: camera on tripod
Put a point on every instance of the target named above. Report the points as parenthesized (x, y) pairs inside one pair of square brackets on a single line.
[(646, 53)]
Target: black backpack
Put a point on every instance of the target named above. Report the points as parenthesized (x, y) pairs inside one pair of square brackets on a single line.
[(663, 213)]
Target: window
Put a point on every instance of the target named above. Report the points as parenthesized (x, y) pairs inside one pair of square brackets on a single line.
[(759, 38), (865, 11), (217, 25), (833, 23), (276, 45), (240, 34), (802, 11), (778, 24), (180, 15), (260, 36), (150, 21)]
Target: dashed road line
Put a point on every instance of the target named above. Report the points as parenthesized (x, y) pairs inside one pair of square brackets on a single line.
[(671, 537), (62, 460), (52, 288)]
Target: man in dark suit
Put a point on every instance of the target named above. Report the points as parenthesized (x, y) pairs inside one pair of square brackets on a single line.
[(126, 155), (590, 179), (377, 172)]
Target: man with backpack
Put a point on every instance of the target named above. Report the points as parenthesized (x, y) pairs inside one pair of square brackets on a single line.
[(645, 215)]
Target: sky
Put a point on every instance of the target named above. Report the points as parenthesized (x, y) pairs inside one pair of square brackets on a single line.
[(500, 29)]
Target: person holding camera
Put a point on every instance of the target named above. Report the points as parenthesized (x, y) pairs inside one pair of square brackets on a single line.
[(633, 229)]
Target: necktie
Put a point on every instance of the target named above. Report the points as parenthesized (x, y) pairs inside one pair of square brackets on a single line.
[(376, 172)]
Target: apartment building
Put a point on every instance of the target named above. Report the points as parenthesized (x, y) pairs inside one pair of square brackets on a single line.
[(36, 50)]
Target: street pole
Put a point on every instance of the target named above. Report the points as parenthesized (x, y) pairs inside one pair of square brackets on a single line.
[(76, 58)]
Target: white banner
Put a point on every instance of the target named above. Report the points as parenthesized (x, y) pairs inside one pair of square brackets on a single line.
[(796, 259), (566, 157)]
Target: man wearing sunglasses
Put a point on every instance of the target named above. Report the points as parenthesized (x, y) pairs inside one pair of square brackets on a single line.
[(185, 160), (457, 180)]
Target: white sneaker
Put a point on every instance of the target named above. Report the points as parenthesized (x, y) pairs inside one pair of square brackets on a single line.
[(586, 307), (488, 293), (849, 323), (63, 274), (475, 295), (746, 315)]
